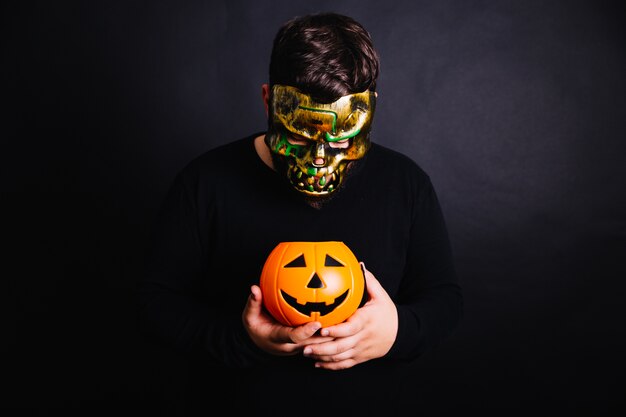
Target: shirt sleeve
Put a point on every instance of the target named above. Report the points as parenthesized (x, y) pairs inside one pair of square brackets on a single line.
[(430, 302), (169, 310)]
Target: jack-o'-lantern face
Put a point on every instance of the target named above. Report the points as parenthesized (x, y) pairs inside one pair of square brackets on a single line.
[(312, 281)]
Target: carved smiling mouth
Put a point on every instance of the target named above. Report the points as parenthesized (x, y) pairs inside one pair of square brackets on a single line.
[(308, 308), (314, 181)]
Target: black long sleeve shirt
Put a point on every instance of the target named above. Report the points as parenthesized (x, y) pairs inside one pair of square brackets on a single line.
[(225, 212)]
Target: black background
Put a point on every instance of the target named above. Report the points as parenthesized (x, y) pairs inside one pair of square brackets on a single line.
[(516, 109)]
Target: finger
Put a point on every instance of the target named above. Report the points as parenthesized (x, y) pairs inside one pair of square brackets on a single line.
[(373, 286), (343, 356), (345, 329), (256, 292), (285, 334), (330, 349), (336, 366), (254, 304), (305, 331), (315, 339)]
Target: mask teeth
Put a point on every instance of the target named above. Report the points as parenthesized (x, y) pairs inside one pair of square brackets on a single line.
[(312, 183)]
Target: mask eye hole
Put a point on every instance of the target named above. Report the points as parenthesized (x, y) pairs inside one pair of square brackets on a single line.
[(297, 140), (299, 262), (341, 144), (330, 261)]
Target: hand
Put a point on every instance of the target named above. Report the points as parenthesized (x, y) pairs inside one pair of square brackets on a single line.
[(272, 336), (368, 334)]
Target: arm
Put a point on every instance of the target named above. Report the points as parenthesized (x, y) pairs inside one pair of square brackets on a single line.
[(172, 313), (430, 302), (176, 262), (428, 306)]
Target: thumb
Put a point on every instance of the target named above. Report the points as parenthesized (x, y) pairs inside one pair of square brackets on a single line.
[(255, 300), (372, 285)]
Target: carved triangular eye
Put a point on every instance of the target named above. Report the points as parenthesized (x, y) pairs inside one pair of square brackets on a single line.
[(330, 261), (297, 263)]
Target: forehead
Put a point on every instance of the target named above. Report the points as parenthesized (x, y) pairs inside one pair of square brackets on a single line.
[(301, 114), (287, 99)]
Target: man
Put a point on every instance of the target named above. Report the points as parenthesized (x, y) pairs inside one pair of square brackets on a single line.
[(313, 175)]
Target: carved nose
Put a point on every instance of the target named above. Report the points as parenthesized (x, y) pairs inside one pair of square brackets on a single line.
[(319, 155), (315, 282)]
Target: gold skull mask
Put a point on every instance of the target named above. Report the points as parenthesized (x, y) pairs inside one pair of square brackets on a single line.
[(318, 140)]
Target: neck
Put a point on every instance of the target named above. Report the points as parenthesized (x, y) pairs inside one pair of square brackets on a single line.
[(263, 151)]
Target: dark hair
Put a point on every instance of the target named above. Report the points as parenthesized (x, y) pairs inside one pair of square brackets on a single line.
[(326, 55)]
